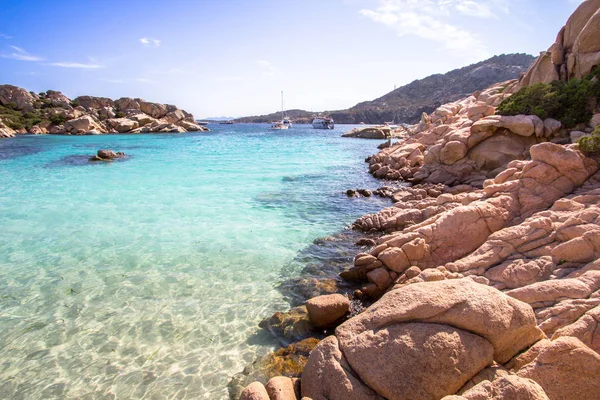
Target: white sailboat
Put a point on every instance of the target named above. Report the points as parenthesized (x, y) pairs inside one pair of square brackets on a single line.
[(285, 122)]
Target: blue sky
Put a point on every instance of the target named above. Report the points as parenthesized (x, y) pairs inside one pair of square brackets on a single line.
[(233, 57)]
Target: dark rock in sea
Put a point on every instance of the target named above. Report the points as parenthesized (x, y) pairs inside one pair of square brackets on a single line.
[(365, 242), (322, 262), (107, 155), (365, 192), (385, 145), (290, 326), (351, 193)]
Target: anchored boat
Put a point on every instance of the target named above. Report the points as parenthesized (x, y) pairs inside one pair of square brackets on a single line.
[(323, 123), (285, 122)]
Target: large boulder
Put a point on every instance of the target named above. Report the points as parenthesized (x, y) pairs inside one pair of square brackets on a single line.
[(575, 52), (565, 368), (452, 152), (175, 116), (5, 131), (122, 125), (523, 125), (370, 132), (508, 324), (155, 110), (416, 360), (255, 391), (325, 310), (127, 104), (281, 388), (20, 98), (327, 376), (586, 329), (578, 21), (57, 99), (142, 119), (81, 125), (422, 341), (510, 387), (91, 103), (191, 126)]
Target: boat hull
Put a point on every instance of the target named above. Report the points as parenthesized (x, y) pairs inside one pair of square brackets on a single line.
[(323, 123)]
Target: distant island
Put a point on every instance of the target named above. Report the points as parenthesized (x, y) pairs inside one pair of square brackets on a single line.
[(406, 104)]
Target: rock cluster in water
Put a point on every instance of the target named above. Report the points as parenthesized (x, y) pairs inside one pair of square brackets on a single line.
[(88, 115), (485, 279), (107, 155)]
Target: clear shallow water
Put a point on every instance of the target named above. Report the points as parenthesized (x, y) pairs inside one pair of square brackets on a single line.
[(146, 278)]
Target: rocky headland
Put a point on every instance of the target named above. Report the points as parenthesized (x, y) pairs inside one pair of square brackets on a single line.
[(482, 280), (52, 112)]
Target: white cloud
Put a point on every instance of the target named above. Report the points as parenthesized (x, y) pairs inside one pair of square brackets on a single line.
[(75, 65), (2, 35), (144, 80), (474, 9), (435, 20), (150, 42), (268, 68), (20, 54)]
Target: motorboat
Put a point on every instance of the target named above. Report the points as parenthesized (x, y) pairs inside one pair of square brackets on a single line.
[(323, 123)]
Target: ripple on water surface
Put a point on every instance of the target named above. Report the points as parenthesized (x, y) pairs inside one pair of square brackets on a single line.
[(147, 278)]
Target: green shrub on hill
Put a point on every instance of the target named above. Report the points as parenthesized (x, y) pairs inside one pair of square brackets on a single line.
[(569, 102), (17, 120), (590, 144), (58, 119)]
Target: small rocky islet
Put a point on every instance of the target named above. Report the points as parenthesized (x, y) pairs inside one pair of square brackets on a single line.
[(52, 112), (483, 281)]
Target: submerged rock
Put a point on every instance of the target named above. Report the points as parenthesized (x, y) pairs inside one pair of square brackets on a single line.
[(287, 362), (290, 326)]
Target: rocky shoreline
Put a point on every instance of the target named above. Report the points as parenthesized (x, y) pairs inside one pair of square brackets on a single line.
[(51, 112), (483, 281)]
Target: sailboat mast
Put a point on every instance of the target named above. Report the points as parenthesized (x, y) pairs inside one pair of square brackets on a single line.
[(282, 105)]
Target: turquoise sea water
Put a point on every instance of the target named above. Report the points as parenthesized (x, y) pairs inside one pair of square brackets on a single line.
[(146, 278)]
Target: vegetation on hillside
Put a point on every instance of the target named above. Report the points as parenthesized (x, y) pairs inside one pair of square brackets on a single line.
[(590, 145), (297, 116), (406, 104), (16, 119), (570, 102)]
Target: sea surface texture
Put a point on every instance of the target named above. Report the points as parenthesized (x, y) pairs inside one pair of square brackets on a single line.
[(146, 278)]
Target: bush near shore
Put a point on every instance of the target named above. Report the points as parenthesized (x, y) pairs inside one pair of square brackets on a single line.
[(570, 102)]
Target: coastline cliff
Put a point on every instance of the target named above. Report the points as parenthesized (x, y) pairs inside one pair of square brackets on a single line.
[(52, 112), (482, 280)]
